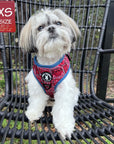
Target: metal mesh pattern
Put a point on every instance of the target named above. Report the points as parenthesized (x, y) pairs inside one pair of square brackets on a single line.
[(89, 15), (93, 117)]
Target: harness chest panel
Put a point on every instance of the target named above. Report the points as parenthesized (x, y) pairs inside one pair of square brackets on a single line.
[(49, 77)]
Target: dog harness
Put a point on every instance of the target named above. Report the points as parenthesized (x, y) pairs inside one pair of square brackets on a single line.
[(50, 76)]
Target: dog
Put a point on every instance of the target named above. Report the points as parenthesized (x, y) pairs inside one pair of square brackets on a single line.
[(53, 33)]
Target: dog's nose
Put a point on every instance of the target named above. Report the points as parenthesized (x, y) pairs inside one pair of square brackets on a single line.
[(51, 29)]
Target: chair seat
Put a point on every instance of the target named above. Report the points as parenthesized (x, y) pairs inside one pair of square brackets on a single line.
[(93, 121)]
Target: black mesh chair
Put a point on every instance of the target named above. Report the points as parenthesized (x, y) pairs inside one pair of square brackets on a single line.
[(93, 117)]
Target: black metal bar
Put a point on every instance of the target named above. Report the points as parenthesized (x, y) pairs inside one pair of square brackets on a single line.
[(29, 55), (110, 100), (10, 65), (107, 51), (4, 65), (105, 59), (50, 2), (84, 51), (70, 9)]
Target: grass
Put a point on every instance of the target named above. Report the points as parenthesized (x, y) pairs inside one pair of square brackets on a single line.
[(25, 126), (2, 85), (17, 141), (2, 81), (110, 86)]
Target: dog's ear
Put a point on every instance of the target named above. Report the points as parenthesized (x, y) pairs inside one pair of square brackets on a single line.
[(72, 25), (26, 40)]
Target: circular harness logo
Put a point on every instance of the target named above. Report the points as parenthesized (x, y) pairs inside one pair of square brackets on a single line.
[(46, 77)]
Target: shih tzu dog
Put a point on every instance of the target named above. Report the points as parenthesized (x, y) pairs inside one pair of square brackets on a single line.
[(53, 34)]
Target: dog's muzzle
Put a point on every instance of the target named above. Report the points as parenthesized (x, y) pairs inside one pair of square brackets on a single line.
[(51, 29), (52, 32)]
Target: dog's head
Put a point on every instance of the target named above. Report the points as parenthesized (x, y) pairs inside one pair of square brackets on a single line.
[(51, 32)]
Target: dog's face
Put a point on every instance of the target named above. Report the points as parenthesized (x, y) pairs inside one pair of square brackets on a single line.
[(51, 32)]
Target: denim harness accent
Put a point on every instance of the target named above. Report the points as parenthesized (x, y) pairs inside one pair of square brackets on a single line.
[(50, 76)]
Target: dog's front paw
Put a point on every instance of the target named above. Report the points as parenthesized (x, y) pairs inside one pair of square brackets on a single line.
[(65, 130), (65, 127), (32, 115)]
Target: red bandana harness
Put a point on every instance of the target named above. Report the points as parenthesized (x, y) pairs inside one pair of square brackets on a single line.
[(49, 77)]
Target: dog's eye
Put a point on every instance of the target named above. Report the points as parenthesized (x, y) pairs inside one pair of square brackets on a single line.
[(40, 27), (58, 23)]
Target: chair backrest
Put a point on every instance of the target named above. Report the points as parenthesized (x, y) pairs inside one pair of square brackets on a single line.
[(90, 15)]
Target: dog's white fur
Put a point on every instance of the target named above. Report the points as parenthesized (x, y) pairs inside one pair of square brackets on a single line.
[(51, 47)]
